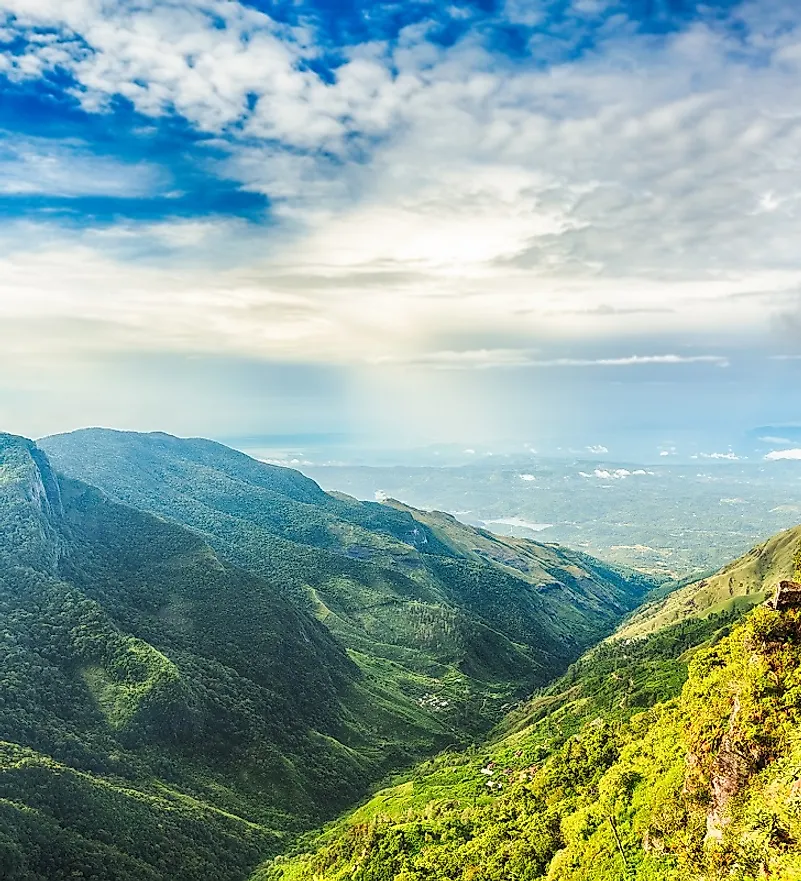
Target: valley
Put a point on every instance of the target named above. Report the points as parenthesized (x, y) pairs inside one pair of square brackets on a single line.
[(219, 655), (674, 755), (205, 658)]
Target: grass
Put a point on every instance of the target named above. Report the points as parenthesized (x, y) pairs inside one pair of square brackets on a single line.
[(742, 584)]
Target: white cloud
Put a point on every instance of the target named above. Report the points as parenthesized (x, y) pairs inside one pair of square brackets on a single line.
[(634, 360), (777, 455), (598, 449), (428, 186), (729, 455), (615, 473), (471, 359), (527, 477), (519, 522), (483, 359), (775, 440), (199, 59)]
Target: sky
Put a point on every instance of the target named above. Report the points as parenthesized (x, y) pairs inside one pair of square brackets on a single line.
[(545, 222)]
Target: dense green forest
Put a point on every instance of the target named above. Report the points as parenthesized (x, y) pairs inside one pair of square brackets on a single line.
[(675, 757), (162, 714), (170, 711)]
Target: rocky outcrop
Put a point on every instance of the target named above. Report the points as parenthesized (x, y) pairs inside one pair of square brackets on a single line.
[(740, 754), (787, 596), (730, 773)]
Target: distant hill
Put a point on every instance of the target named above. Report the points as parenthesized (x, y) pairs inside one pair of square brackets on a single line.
[(670, 519), (738, 585), (207, 655)]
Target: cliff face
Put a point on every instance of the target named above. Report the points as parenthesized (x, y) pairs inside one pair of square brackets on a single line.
[(32, 510), (730, 771), (48, 490)]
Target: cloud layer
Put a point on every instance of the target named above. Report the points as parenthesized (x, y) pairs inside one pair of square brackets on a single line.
[(438, 188)]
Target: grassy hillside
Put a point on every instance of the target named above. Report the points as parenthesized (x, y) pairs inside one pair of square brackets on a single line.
[(455, 619), (703, 784), (739, 585)]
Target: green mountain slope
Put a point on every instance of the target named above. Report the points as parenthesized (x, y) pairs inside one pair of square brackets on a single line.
[(163, 714), (453, 618), (168, 714), (704, 784), (741, 584)]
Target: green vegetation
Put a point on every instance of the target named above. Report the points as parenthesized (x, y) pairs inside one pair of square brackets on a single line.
[(162, 714), (189, 685), (702, 786), (168, 714), (739, 585), (446, 623)]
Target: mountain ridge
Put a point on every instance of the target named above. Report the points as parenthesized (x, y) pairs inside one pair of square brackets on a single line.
[(150, 682), (744, 582), (381, 562)]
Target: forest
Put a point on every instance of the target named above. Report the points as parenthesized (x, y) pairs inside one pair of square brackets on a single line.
[(172, 711), (367, 691)]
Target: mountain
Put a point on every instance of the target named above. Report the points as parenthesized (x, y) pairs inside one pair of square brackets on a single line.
[(457, 619), (206, 655), (741, 584), (676, 756), (163, 714)]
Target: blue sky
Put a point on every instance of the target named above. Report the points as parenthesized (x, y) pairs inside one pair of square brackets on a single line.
[(410, 222)]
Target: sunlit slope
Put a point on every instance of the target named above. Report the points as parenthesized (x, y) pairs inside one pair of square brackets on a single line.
[(741, 584), (702, 786), (673, 756)]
